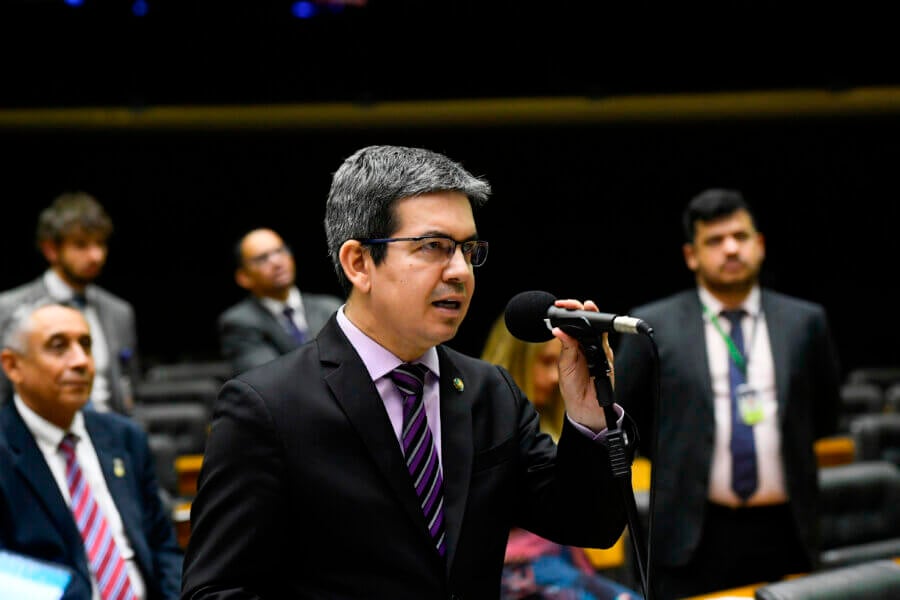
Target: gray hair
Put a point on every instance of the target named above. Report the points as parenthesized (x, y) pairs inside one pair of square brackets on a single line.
[(366, 186), (18, 324)]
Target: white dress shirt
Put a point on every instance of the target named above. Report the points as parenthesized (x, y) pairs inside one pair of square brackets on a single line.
[(761, 376)]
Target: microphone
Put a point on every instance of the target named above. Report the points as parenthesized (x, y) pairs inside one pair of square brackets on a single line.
[(531, 315)]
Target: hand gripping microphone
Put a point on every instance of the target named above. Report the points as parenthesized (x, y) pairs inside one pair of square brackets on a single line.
[(531, 315)]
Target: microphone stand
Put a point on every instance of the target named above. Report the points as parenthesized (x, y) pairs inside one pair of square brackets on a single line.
[(599, 369)]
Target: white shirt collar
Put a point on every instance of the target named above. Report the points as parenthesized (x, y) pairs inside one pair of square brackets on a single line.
[(751, 303), (57, 288), (276, 307), (45, 432)]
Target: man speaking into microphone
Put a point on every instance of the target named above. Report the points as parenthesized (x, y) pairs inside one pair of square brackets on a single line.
[(376, 462)]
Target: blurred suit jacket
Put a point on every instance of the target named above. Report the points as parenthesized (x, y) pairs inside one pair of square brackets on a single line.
[(807, 384), (36, 521), (250, 335), (304, 491), (119, 329)]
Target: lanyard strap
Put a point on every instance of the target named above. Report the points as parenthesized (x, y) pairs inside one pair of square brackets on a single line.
[(739, 359)]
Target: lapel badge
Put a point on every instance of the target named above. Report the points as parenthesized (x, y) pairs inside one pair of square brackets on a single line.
[(118, 467), (458, 384)]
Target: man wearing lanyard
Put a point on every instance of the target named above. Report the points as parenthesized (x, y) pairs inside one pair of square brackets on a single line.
[(749, 379)]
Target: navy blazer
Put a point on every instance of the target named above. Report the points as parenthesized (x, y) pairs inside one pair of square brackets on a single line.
[(36, 521), (304, 491), (807, 380)]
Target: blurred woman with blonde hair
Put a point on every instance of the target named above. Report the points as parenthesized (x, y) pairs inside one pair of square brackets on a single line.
[(535, 568)]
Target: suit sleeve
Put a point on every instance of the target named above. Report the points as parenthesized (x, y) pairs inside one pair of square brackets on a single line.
[(244, 345), (827, 371), (239, 504), (570, 494)]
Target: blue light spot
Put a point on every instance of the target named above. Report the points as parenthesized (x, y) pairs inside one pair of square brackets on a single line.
[(74, 2), (139, 8), (303, 10)]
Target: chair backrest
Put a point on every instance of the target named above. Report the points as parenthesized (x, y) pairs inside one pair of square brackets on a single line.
[(188, 370), (165, 450), (859, 398), (859, 505), (892, 398), (202, 390), (872, 580), (186, 422), (880, 376), (877, 437)]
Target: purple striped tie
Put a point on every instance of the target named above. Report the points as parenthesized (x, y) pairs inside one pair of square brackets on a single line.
[(106, 563), (418, 447)]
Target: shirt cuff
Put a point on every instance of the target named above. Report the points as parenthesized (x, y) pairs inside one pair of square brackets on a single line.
[(601, 435)]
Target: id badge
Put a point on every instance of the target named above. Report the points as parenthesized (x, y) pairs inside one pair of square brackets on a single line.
[(749, 404)]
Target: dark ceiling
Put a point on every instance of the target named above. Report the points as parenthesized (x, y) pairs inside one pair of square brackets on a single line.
[(206, 52)]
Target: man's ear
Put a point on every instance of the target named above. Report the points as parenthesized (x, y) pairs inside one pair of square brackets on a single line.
[(357, 264), (689, 258), (10, 362), (242, 279), (50, 250)]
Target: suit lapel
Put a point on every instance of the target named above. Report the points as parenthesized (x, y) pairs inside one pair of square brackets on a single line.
[(32, 468), (354, 390), (692, 352), (273, 327), (456, 446), (778, 324)]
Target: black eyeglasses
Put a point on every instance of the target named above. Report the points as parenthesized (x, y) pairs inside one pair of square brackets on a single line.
[(261, 259), (440, 248)]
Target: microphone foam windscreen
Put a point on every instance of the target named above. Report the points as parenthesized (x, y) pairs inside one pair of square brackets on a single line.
[(525, 314)]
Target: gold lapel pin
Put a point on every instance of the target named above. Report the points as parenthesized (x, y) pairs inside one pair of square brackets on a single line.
[(118, 467), (458, 384)]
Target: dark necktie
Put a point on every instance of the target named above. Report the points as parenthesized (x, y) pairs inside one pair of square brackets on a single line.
[(419, 450), (103, 555), (79, 301), (292, 328), (743, 448)]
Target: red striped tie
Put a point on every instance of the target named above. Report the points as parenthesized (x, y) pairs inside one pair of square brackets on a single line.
[(103, 555)]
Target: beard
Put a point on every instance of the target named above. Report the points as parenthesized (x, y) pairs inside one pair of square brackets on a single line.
[(73, 277)]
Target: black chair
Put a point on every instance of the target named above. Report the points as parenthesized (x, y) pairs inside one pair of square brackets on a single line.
[(883, 377), (877, 437), (219, 370), (872, 580), (892, 398), (859, 512), (189, 391), (187, 423), (859, 398)]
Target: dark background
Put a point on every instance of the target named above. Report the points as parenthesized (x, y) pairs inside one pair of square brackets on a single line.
[(580, 209)]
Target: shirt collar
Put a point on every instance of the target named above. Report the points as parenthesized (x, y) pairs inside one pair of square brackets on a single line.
[(277, 306), (380, 361), (58, 289), (45, 432), (751, 303)]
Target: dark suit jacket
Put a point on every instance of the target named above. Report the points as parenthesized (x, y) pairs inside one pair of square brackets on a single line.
[(36, 521), (250, 335), (304, 492), (807, 380), (119, 329)]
